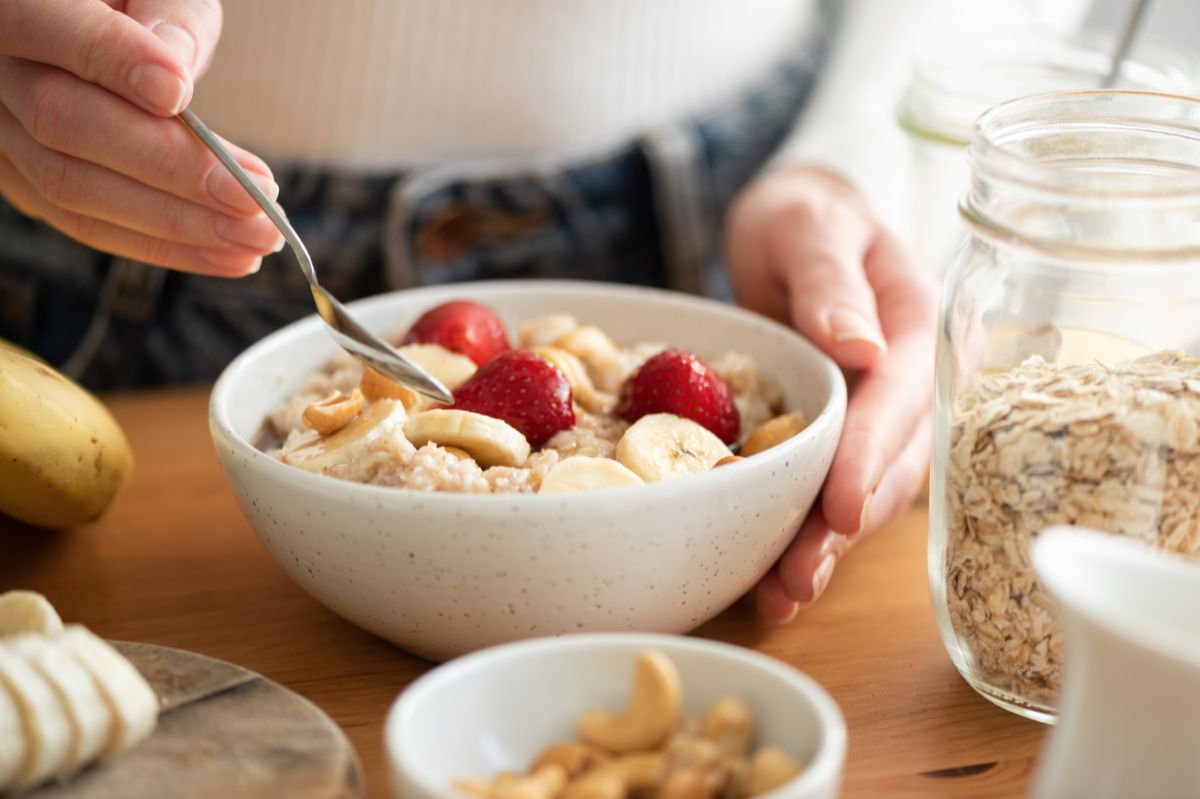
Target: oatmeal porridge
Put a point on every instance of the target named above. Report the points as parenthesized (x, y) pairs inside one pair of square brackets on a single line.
[(562, 408)]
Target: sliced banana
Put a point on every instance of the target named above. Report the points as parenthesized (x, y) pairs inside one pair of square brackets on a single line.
[(772, 432), (598, 352), (381, 418), (584, 473), (582, 388), (89, 717), (452, 368), (662, 446), (490, 441), (27, 612), (44, 724), (125, 692), (545, 330), (13, 745)]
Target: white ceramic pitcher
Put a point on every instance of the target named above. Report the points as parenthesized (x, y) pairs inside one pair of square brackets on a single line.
[(1129, 714)]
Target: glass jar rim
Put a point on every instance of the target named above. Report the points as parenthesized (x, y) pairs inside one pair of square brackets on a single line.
[(952, 85), (1053, 149), (989, 155)]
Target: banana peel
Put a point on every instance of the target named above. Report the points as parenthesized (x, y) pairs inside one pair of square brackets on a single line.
[(63, 457)]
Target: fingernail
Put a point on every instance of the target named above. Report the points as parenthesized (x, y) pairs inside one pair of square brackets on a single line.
[(280, 245), (220, 261), (865, 516), (223, 187), (821, 577), (179, 40), (846, 325), (253, 233), (791, 614), (158, 87)]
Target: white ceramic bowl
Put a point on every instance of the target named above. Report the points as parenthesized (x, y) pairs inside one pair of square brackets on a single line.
[(498, 709), (442, 574)]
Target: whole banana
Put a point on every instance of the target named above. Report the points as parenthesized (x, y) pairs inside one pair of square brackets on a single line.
[(62, 455)]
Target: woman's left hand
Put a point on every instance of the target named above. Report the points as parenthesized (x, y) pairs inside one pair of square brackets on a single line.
[(803, 247)]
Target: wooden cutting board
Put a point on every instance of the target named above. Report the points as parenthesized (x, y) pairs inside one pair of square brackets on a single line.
[(226, 732)]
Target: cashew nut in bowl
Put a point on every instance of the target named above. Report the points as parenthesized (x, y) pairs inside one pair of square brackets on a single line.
[(619, 777), (650, 751), (651, 714), (574, 757), (730, 725)]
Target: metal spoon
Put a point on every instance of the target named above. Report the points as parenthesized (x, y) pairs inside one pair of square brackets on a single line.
[(359, 342), (1125, 41)]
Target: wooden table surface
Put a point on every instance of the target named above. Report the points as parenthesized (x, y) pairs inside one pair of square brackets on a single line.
[(175, 563)]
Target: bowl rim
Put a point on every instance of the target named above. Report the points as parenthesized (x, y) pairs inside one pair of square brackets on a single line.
[(822, 770), (832, 411)]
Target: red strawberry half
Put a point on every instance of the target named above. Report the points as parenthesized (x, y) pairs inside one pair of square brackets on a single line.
[(462, 326), (676, 381), (524, 390)]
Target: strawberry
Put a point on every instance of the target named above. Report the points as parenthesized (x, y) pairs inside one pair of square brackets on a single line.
[(524, 390), (462, 326), (676, 381)]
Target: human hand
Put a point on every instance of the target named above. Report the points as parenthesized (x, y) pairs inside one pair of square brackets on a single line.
[(88, 142), (804, 248)]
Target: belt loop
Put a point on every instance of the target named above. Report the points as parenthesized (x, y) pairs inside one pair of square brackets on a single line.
[(683, 204), (130, 297)]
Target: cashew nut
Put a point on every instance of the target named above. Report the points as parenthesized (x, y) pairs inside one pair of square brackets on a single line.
[(650, 715), (692, 784), (375, 386), (688, 752), (331, 414), (769, 768), (730, 725), (575, 758), (618, 777), (542, 783), (728, 459), (772, 432)]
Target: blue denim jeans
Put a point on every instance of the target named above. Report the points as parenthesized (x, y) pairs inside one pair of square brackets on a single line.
[(649, 213)]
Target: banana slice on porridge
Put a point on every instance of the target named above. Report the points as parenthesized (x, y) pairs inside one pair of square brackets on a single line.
[(584, 473), (381, 419), (662, 446), (490, 441)]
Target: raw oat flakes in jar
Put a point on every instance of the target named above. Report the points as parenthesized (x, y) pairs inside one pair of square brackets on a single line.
[(1068, 385)]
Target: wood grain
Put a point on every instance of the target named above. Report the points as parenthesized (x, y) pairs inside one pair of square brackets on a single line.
[(174, 563), (254, 740)]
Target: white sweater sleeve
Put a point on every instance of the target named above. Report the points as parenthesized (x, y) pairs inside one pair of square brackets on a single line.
[(849, 124)]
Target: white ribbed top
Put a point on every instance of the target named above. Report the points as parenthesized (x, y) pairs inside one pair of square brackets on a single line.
[(378, 84)]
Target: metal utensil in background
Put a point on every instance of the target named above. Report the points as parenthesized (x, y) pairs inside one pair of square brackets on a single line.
[(359, 342), (1125, 41)]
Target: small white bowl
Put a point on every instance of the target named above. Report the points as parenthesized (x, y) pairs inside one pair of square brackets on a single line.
[(442, 574), (498, 709)]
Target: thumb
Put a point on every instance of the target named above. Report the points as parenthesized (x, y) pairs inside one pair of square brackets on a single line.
[(189, 27)]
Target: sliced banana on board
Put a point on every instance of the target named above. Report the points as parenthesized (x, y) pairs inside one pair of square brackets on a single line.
[(129, 698), (662, 446), (43, 718), (382, 418), (490, 441), (90, 719), (27, 612), (585, 473)]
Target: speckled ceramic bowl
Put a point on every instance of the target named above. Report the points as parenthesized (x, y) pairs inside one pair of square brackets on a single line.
[(497, 710), (442, 574)]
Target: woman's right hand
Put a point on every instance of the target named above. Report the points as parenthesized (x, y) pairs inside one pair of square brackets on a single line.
[(88, 142)]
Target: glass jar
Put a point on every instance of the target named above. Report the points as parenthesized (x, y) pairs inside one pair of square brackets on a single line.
[(1066, 391), (956, 81)]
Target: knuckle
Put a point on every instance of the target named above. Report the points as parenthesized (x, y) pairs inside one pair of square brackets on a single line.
[(52, 177), (45, 111)]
